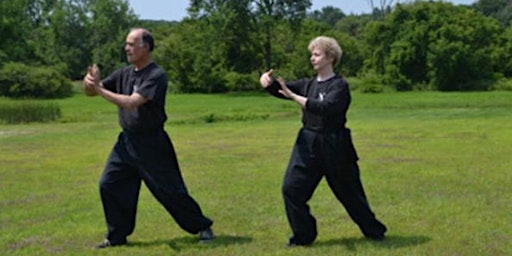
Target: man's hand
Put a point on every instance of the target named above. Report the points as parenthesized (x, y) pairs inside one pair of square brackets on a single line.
[(93, 87), (95, 71), (92, 80)]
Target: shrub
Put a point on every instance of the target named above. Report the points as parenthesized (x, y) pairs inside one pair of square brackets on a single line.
[(21, 81), (371, 82), (241, 82), (239, 117), (503, 85), (27, 111)]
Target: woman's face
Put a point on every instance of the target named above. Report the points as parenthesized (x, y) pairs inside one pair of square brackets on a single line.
[(319, 60)]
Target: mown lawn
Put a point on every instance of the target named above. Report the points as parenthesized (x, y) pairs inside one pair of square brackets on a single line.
[(435, 166)]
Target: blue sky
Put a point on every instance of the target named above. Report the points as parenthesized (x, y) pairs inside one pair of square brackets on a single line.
[(177, 9)]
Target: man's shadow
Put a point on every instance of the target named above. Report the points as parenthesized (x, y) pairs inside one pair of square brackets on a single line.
[(179, 243), (391, 242)]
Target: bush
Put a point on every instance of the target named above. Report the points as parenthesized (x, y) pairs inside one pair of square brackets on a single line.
[(21, 81), (503, 85), (371, 82), (241, 82), (26, 112), (398, 81), (213, 118)]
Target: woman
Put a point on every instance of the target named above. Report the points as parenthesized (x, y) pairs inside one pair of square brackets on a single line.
[(323, 146)]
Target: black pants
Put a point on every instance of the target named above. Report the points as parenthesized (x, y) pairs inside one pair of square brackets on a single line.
[(151, 158), (329, 154)]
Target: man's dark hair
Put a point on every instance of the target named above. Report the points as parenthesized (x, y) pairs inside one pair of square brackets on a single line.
[(147, 38)]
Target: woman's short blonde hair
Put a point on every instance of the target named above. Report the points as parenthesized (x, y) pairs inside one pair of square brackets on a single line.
[(329, 45)]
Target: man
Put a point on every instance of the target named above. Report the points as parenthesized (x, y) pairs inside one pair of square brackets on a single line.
[(143, 150), (323, 147)]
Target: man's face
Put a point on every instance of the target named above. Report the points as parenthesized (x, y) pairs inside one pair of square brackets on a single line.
[(134, 47)]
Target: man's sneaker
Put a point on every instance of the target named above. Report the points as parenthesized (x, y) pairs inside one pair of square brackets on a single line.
[(206, 236), (106, 243)]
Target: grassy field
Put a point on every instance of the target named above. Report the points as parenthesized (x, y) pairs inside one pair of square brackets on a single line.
[(436, 168)]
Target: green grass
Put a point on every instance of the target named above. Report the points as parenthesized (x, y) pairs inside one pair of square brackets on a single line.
[(435, 166)]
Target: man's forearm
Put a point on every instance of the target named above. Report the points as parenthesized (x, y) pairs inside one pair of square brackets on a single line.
[(123, 101)]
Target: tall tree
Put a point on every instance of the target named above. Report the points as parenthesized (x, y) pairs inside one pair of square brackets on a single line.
[(64, 34), (233, 31), (504, 63), (353, 24), (329, 15), (382, 7), (14, 27), (270, 12), (498, 9), (110, 22), (60, 24), (439, 44), (259, 15)]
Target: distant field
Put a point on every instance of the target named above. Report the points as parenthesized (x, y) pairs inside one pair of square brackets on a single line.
[(436, 168)]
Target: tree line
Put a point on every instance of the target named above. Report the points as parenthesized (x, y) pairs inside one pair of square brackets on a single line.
[(223, 45)]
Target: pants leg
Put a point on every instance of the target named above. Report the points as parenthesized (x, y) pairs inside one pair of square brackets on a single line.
[(119, 191), (343, 177), (300, 181), (162, 175)]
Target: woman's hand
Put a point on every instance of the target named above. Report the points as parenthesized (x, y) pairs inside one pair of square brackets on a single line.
[(285, 91), (266, 78)]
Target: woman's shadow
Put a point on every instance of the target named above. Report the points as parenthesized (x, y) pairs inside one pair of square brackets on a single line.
[(391, 242)]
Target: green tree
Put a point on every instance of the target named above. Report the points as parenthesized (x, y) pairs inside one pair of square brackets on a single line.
[(193, 57), (433, 43), (378, 37), (57, 37), (504, 62), (64, 34), (174, 52), (498, 9), (353, 25), (259, 16), (270, 12), (110, 22), (329, 14), (229, 38), (234, 31), (14, 27), (381, 8)]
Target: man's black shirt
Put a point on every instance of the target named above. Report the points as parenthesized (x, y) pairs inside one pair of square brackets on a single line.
[(151, 83)]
